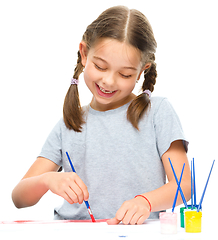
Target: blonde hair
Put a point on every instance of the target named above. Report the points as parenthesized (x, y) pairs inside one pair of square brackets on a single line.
[(124, 25)]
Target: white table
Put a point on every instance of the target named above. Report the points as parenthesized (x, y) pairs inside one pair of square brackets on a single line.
[(83, 230)]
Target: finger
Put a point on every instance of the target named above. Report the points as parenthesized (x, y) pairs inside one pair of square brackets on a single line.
[(71, 194), (67, 198), (141, 219), (113, 221), (77, 193), (83, 187), (138, 218), (123, 213), (128, 217), (135, 218)]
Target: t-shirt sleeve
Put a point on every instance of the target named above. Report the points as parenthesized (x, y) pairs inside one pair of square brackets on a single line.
[(52, 147), (168, 127)]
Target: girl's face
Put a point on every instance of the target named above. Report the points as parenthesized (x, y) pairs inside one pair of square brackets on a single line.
[(111, 71)]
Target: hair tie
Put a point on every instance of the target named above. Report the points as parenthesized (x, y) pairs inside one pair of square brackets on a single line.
[(74, 81), (147, 92)]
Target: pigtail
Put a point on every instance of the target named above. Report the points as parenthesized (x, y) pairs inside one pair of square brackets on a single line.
[(72, 110), (141, 103)]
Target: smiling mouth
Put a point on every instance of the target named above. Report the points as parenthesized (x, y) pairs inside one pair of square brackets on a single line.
[(104, 90), (104, 93)]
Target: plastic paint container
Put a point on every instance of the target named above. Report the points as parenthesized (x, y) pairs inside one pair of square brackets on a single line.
[(182, 218), (182, 221), (193, 221), (168, 221)]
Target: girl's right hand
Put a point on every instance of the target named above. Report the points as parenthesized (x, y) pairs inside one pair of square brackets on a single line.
[(67, 185)]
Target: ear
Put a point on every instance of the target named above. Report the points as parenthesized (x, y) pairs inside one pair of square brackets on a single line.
[(147, 65), (83, 52)]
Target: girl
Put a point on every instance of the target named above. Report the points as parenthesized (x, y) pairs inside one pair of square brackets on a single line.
[(120, 143)]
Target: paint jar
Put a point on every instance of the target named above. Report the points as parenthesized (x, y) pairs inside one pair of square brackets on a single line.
[(168, 221), (193, 221), (182, 221)]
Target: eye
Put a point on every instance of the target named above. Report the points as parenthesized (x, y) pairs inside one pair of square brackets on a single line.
[(99, 68), (125, 76)]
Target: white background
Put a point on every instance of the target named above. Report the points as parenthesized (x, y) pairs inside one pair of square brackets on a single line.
[(38, 52)]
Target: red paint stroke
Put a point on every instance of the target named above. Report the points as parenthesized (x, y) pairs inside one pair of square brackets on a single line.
[(50, 222)]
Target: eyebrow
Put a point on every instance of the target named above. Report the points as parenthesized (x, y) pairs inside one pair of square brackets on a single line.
[(98, 58)]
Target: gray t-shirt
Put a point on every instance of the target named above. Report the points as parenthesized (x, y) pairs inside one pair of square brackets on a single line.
[(114, 160)]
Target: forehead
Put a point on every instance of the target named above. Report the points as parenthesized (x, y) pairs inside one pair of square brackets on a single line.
[(113, 50)]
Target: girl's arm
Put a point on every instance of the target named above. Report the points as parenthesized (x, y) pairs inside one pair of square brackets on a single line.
[(43, 176), (137, 210)]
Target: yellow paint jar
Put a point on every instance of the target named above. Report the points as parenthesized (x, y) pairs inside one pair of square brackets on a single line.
[(193, 221)]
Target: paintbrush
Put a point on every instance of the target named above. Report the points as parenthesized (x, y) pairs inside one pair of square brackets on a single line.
[(86, 202)]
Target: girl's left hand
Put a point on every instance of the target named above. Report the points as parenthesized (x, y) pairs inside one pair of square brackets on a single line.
[(134, 211)]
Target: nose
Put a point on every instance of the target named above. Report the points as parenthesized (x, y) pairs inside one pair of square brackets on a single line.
[(109, 80)]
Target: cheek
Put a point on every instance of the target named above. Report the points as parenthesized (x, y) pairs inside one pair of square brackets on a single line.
[(87, 75), (128, 86), (88, 80), (90, 74)]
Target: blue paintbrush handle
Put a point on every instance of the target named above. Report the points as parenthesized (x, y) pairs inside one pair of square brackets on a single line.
[(182, 195), (71, 164), (86, 202), (177, 191), (202, 197), (194, 184)]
